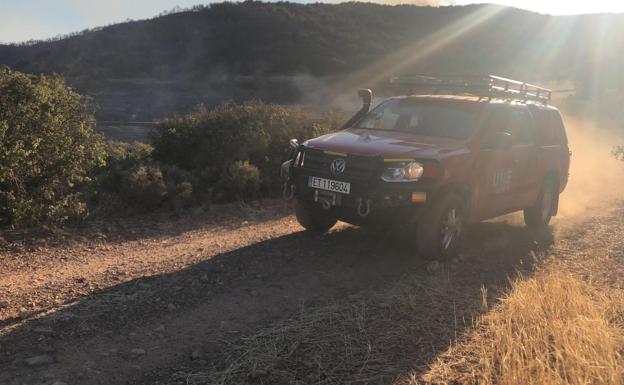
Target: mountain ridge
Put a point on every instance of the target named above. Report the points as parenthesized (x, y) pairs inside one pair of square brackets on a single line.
[(285, 52)]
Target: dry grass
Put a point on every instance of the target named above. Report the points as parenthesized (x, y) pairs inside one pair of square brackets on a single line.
[(551, 329)]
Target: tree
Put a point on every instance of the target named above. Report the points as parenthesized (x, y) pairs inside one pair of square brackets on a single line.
[(47, 149)]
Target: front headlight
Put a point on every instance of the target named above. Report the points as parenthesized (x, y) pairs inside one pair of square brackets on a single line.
[(403, 172)]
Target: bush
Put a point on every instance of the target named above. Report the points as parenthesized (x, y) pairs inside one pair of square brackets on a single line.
[(132, 182), (143, 187), (48, 149), (211, 144), (180, 192), (239, 181)]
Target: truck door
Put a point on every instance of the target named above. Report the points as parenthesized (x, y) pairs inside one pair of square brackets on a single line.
[(494, 166), (526, 172)]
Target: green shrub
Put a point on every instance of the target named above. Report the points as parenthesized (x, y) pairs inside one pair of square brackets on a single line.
[(240, 181), (48, 149), (208, 142), (143, 187), (132, 182), (180, 192)]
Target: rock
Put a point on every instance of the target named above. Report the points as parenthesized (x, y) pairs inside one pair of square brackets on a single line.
[(455, 261), (171, 307), (195, 355), (202, 362), (59, 383), (254, 293), (434, 267), (160, 328), (137, 352), (43, 359)]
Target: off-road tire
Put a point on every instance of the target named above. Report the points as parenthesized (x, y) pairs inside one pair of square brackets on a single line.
[(432, 228), (538, 216), (313, 218)]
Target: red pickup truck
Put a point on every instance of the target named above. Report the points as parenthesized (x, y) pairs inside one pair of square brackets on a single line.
[(450, 153)]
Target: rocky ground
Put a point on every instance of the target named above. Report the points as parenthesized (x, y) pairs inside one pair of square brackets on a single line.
[(141, 301)]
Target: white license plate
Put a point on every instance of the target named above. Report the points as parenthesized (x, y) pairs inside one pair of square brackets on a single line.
[(329, 185)]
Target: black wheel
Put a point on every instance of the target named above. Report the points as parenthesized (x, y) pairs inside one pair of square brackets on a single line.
[(441, 229), (314, 218), (538, 216)]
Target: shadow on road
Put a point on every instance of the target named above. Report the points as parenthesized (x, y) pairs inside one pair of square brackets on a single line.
[(166, 317)]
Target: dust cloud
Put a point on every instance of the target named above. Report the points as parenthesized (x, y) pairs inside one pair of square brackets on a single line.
[(596, 176)]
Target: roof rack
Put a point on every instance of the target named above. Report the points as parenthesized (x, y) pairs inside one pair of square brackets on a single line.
[(489, 86)]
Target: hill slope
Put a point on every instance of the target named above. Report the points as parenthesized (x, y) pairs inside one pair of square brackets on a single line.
[(280, 51)]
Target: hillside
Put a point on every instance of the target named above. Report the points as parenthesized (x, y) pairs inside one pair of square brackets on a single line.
[(292, 53)]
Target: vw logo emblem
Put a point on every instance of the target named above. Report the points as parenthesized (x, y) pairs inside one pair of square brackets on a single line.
[(338, 166)]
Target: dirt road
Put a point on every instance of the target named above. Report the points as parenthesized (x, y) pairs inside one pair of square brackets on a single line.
[(138, 301)]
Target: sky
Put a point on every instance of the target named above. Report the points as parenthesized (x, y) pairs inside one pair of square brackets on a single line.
[(22, 20)]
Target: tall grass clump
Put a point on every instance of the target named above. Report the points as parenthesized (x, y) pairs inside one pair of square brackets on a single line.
[(551, 329)]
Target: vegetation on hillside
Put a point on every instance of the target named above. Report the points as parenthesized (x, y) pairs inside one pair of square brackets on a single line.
[(282, 51)]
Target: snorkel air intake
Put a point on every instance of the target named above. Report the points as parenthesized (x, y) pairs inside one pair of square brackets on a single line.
[(367, 98)]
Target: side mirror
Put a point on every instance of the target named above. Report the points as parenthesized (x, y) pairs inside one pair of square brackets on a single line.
[(294, 143), (497, 141), (367, 98)]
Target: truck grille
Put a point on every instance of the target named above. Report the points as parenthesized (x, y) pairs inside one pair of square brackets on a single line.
[(357, 167)]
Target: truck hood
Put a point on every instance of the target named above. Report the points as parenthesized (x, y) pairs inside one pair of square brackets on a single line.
[(388, 144)]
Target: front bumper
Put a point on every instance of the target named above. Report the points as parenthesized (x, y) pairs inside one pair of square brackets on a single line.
[(369, 194)]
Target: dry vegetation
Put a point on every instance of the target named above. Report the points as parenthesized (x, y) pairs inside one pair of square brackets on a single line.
[(554, 328)]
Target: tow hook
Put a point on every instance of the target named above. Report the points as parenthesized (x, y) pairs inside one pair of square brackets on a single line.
[(288, 191), (325, 204), (363, 209)]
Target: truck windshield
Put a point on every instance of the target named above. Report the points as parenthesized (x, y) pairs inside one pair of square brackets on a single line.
[(422, 118)]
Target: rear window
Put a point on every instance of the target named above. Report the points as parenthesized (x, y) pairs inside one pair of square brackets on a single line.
[(550, 127), (423, 118)]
